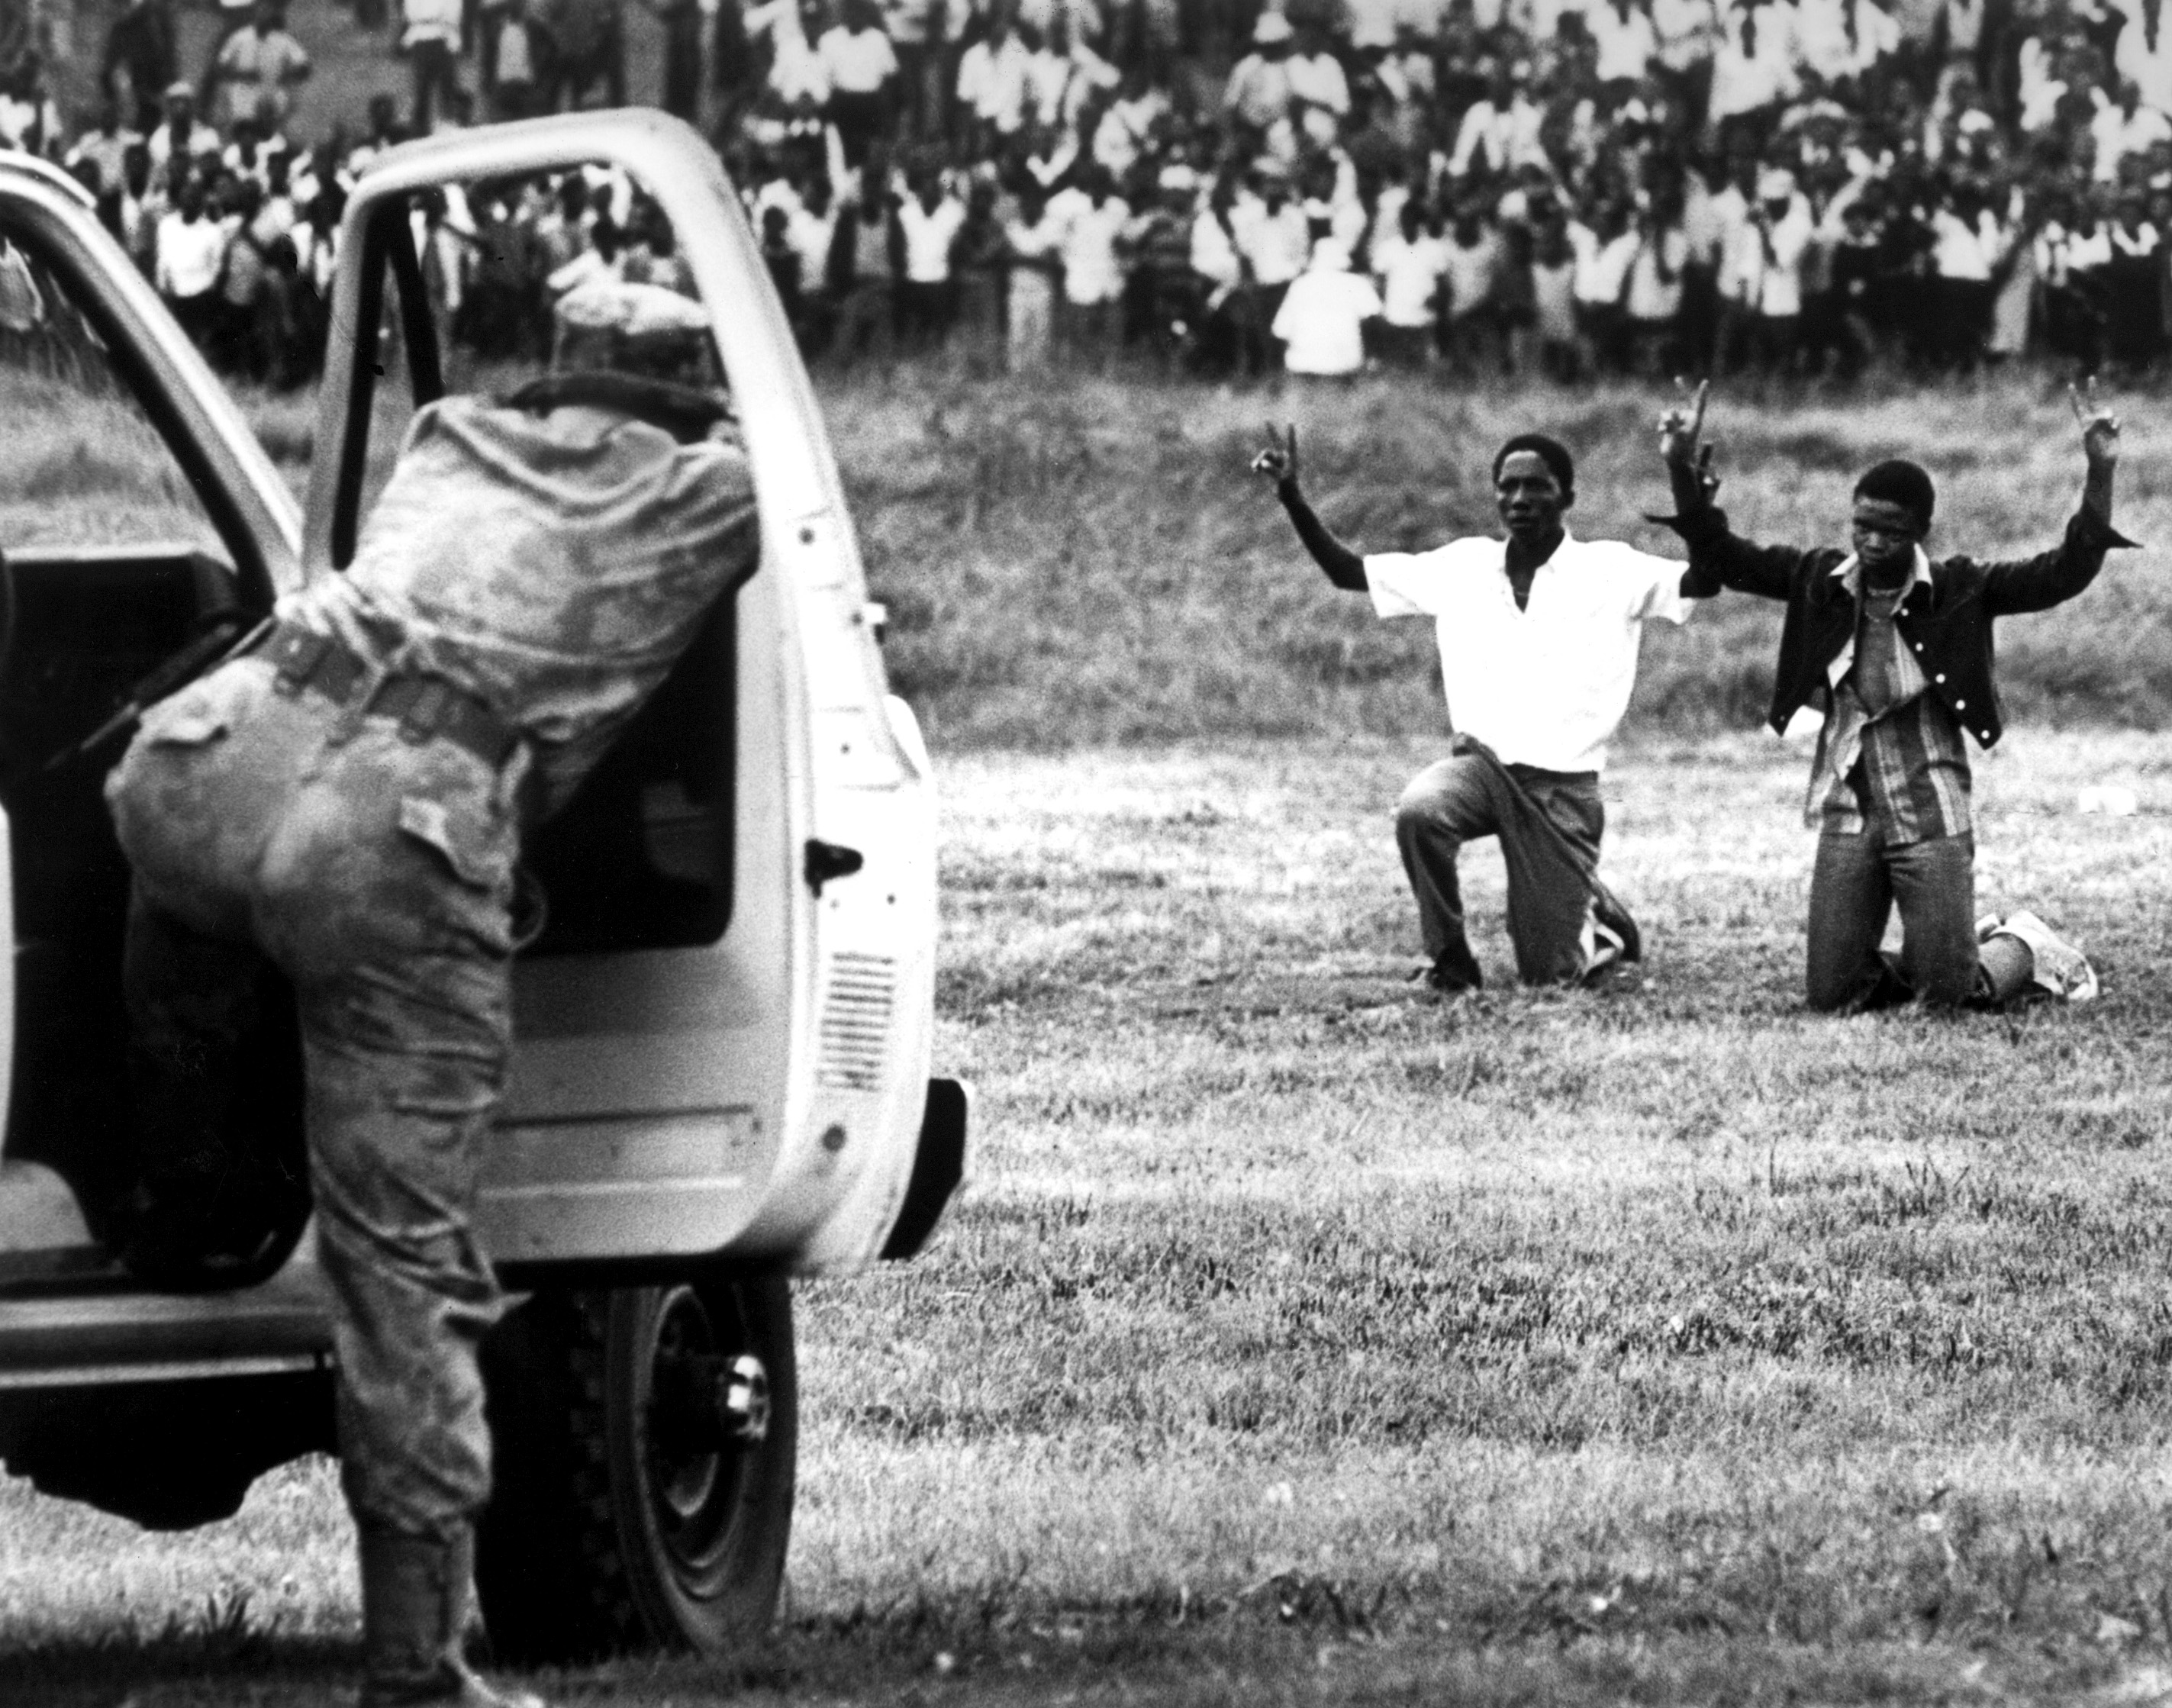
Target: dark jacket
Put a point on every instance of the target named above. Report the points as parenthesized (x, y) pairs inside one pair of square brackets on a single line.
[(1946, 625)]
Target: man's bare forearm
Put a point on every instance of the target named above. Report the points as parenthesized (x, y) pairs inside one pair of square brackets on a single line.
[(1344, 567)]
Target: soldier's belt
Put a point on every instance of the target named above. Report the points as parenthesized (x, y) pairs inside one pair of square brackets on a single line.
[(427, 708)]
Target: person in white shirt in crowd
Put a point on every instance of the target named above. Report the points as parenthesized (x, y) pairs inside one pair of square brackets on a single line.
[(1320, 94), (1410, 263), (258, 69), (1969, 246), (2125, 128), (1471, 258), (2143, 56), (1321, 322), (1838, 40), (799, 81), (183, 132), (917, 29), (1129, 122), (1273, 235), (928, 220), (1259, 95), (1092, 217), (1063, 75), (515, 46), (1552, 345), (1539, 634), (862, 70), (1500, 131), (1781, 228), (1687, 30), (190, 256), (103, 146), (1755, 68), (1653, 303), (1033, 240), (1606, 246), (1627, 42), (1232, 340), (430, 36), (993, 77)]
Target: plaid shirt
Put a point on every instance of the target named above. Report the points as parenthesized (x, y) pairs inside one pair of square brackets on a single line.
[(1903, 773)]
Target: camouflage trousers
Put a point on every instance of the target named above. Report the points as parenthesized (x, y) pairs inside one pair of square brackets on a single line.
[(377, 874)]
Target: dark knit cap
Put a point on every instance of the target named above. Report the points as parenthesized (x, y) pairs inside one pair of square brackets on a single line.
[(1551, 452), (1899, 481)]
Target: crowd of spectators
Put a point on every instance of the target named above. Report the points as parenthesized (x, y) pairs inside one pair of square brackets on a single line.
[(1575, 186)]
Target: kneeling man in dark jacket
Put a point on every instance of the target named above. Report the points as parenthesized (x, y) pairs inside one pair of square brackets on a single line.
[(1899, 646)]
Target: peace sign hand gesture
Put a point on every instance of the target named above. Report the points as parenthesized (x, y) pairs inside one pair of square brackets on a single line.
[(1681, 444), (1278, 461), (2099, 426), (1681, 427)]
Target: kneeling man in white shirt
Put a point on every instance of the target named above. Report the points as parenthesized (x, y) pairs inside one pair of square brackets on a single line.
[(1539, 634)]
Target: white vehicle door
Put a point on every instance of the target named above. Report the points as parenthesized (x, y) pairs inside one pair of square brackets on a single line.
[(722, 1033)]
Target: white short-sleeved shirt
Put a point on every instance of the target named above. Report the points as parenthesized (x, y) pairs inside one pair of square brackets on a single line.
[(1544, 686)]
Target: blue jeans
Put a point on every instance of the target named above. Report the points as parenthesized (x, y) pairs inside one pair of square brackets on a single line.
[(1855, 885), (377, 874)]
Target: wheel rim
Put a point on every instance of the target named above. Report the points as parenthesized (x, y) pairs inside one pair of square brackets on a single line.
[(694, 1463)]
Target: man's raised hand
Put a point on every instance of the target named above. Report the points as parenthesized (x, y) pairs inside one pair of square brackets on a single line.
[(1681, 443), (1682, 426), (2099, 426), (1278, 461)]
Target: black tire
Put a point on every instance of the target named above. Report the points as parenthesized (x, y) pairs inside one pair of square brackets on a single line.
[(635, 1505)]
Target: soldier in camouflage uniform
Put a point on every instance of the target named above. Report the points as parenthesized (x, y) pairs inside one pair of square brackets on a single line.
[(346, 799)]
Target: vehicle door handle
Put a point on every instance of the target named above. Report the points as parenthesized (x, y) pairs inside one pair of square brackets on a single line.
[(828, 860)]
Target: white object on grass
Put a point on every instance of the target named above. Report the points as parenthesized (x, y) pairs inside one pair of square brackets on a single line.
[(2110, 799)]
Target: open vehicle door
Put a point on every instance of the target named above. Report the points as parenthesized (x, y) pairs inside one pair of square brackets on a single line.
[(724, 1034)]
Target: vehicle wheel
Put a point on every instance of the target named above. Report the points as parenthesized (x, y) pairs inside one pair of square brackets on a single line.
[(645, 1444)]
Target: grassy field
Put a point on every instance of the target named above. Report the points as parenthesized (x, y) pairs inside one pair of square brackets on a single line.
[(1660, 1344), (1664, 1344)]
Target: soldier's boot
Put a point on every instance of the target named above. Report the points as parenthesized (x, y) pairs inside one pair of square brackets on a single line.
[(415, 1595)]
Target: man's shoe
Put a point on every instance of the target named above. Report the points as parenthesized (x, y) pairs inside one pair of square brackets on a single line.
[(1606, 950), (414, 1592), (1454, 970), (2061, 969)]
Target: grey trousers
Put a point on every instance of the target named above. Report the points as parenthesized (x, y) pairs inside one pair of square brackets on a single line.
[(378, 875), (1550, 881), (1855, 884)]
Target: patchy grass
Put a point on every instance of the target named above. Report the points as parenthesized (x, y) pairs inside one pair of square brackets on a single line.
[(1661, 1344), (1093, 563)]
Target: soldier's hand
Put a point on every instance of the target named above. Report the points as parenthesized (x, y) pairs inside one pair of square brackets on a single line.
[(1278, 461), (2099, 426)]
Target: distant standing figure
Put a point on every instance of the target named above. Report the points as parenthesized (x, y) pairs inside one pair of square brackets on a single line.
[(430, 37), (139, 60), (258, 69)]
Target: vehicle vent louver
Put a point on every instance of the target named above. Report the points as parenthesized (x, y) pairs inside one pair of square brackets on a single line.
[(856, 1015)]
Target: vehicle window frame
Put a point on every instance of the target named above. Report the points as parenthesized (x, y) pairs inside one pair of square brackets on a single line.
[(384, 243), (141, 376)]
